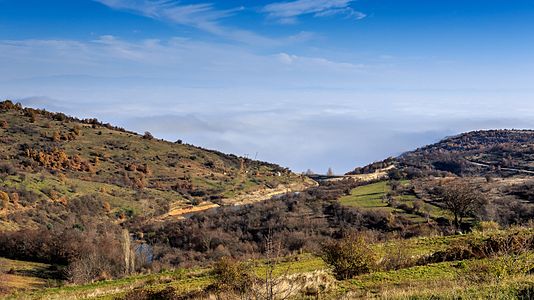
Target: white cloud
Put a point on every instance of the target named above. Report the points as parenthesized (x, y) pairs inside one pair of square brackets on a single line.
[(288, 12), (298, 110), (286, 58), (187, 62), (203, 16)]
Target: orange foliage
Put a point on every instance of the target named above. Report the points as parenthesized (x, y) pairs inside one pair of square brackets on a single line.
[(57, 159), (15, 199), (107, 206), (5, 200), (56, 137)]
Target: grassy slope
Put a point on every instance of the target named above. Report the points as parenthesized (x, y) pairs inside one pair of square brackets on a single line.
[(367, 196), (23, 275), (109, 152), (445, 280), (372, 196)]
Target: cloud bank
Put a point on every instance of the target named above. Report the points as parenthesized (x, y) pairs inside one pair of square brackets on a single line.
[(299, 111)]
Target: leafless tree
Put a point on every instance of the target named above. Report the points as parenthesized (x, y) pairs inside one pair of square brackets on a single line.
[(129, 256), (461, 199), (330, 172), (272, 286), (309, 172)]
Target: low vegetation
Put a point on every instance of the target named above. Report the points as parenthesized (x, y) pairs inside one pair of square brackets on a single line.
[(502, 271)]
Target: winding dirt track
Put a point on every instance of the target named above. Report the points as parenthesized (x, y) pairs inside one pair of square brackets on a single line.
[(502, 168), (253, 197)]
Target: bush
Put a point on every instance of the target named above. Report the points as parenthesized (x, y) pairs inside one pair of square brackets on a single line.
[(492, 246), (148, 136), (142, 294), (232, 276), (87, 254), (396, 258), (7, 168), (349, 257), (487, 226)]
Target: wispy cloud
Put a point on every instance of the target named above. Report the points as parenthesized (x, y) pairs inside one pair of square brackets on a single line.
[(180, 60), (288, 12), (298, 109), (202, 16)]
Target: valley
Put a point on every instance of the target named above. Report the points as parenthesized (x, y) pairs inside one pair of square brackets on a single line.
[(92, 211)]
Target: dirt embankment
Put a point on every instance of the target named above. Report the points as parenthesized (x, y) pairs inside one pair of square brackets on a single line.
[(266, 194), (177, 212), (378, 174), (256, 196)]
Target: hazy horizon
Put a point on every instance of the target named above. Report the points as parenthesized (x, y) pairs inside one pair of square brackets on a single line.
[(304, 84)]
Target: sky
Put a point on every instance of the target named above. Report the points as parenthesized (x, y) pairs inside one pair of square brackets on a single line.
[(307, 84)]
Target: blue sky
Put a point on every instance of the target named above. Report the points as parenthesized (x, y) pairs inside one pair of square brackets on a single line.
[(306, 83)]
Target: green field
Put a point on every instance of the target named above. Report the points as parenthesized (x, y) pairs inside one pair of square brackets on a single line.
[(368, 196), (373, 196)]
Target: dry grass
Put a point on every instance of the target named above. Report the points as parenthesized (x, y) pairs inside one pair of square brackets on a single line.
[(21, 275)]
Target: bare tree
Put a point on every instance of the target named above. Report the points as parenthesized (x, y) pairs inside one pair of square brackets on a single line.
[(271, 286), (330, 172), (461, 199), (236, 280), (129, 257), (309, 172)]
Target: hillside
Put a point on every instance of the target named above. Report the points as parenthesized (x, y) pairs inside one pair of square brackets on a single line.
[(478, 153), (498, 164), (53, 166), (497, 152), (94, 211)]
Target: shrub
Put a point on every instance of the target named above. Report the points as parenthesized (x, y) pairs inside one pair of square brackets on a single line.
[(499, 268), (349, 257), (396, 258), (487, 226), (8, 169), (8, 105), (148, 136), (76, 130), (493, 246), (232, 276), (143, 294), (4, 198), (56, 137)]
